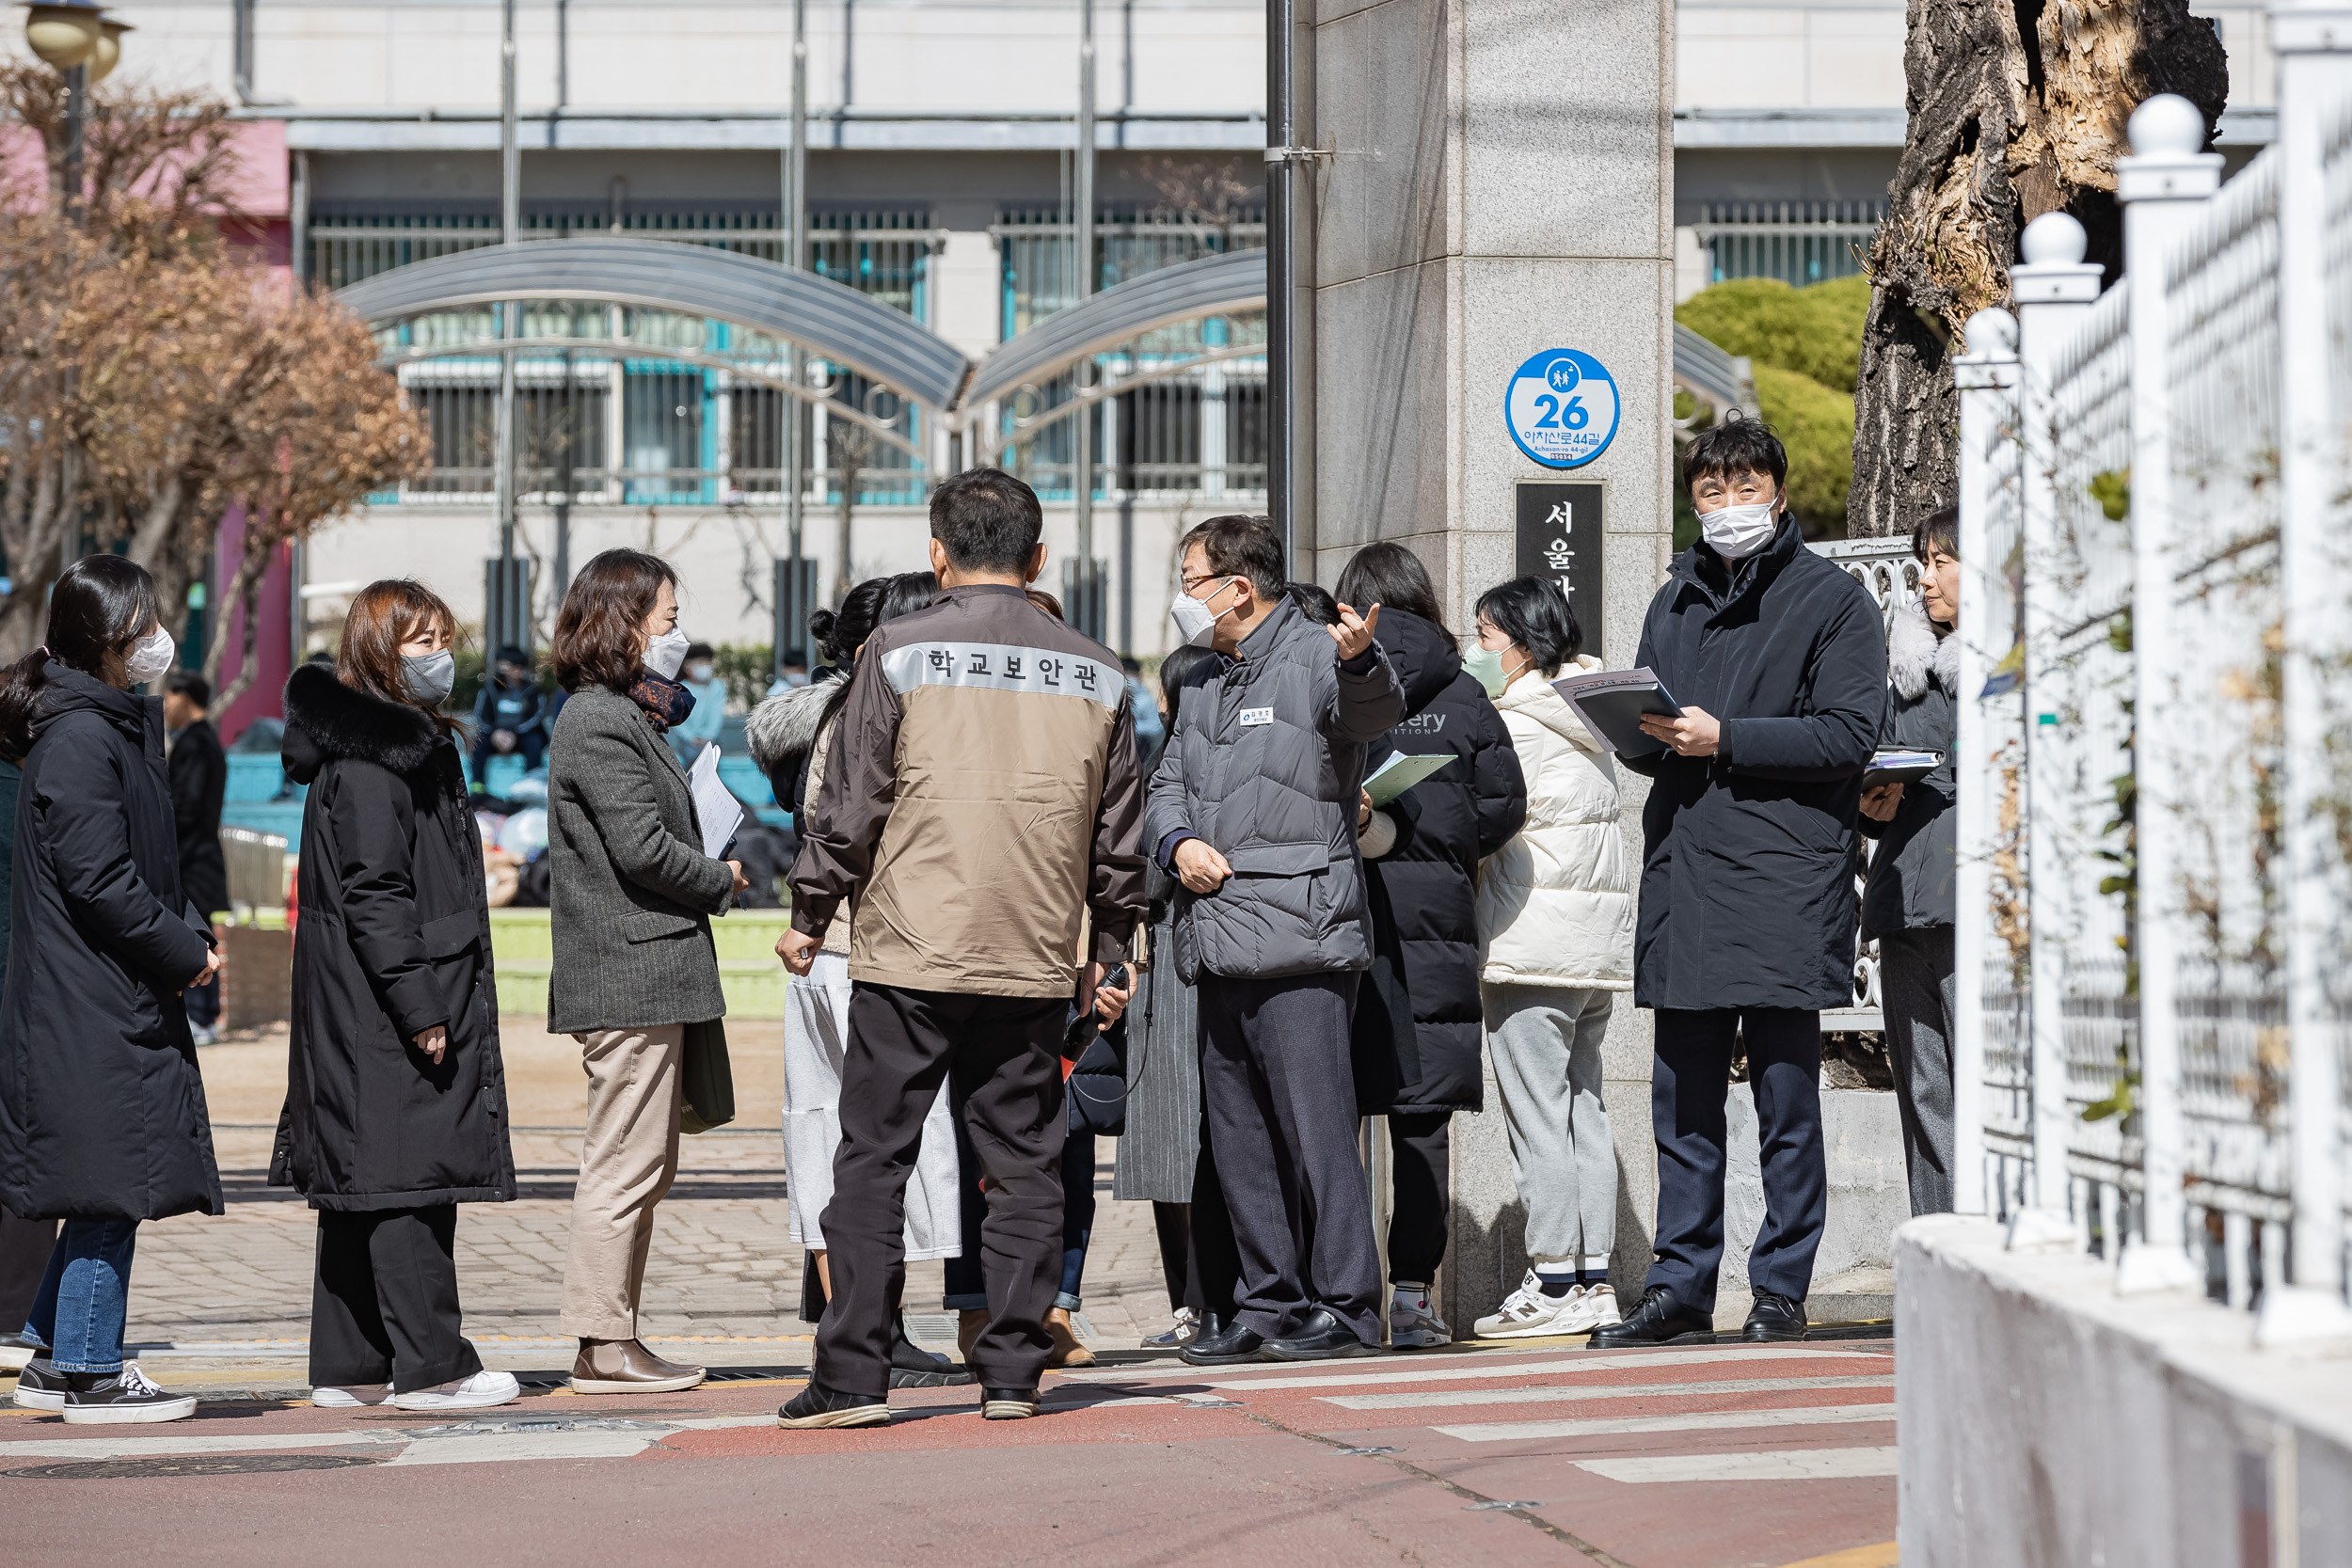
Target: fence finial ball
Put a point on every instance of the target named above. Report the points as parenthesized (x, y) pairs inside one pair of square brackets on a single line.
[(2054, 238), (2167, 125), (1992, 330)]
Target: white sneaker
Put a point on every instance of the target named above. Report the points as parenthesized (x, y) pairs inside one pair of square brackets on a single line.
[(484, 1387), (1413, 1327), (351, 1397), (1530, 1314)]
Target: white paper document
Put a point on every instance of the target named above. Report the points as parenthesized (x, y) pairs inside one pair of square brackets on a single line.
[(715, 806)]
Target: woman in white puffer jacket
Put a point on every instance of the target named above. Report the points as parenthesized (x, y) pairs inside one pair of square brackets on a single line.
[(1555, 929)]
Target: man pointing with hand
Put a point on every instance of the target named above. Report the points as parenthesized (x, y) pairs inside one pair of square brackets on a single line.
[(1253, 809)]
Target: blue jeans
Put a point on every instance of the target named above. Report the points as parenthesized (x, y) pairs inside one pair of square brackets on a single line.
[(85, 1296), (1077, 1216)]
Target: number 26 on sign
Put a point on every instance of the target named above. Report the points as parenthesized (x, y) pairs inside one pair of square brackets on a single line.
[(1561, 409)]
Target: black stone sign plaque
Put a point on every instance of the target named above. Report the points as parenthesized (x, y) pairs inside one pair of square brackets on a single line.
[(1560, 538)]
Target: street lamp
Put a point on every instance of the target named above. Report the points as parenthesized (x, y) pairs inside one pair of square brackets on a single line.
[(75, 38)]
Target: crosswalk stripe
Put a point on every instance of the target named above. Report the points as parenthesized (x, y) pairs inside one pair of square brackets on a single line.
[(1784, 1464), (1561, 1393), (1470, 1367), (1710, 1421)]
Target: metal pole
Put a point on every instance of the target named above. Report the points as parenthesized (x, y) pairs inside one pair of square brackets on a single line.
[(77, 111), (300, 220), (1290, 344), (795, 257), (1086, 613), (509, 201)]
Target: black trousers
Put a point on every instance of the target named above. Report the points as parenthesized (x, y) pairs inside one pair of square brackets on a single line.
[(1688, 1083), (1003, 1053), (384, 1309), (1420, 1151), (1211, 1263), (1278, 1093)]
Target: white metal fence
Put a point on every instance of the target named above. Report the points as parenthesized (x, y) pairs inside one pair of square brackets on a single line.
[(2157, 786)]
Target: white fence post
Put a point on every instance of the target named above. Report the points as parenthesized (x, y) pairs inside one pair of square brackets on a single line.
[(2054, 288), (1987, 740), (2163, 187), (2313, 42)]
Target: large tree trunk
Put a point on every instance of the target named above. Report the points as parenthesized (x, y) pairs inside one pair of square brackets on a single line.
[(2017, 108)]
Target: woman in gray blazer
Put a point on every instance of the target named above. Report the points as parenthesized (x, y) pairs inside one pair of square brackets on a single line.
[(632, 895)]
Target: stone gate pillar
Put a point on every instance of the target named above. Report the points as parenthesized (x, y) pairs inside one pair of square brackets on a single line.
[(1499, 183)]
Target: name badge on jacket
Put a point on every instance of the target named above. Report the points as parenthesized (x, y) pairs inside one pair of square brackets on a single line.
[(1257, 716)]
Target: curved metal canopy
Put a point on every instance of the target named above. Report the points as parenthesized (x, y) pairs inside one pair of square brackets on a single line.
[(834, 321), (1212, 286)]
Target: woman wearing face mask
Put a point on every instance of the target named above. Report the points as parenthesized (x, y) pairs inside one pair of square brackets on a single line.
[(1418, 1007), (632, 896), (1555, 932), (1909, 903), (395, 1091), (789, 735), (102, 1109)]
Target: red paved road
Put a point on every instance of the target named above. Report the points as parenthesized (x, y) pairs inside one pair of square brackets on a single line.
[(1750, 1456)]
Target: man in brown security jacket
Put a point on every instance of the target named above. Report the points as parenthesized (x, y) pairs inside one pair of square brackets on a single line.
[(980, 803)]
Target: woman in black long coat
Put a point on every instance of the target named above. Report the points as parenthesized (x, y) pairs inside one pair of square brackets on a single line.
[(102, 1109), (395, 1092), (1419, 1000)]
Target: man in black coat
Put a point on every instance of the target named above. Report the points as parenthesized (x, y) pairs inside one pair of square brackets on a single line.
[(1779, 661), (199, 781)]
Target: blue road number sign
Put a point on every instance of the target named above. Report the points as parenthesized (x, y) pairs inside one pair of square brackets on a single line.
[(1561, 409)]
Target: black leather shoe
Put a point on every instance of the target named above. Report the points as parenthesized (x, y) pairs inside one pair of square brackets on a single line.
[(913, 1367), (1007, 1405), (1659, 1321), (1321, 1337), (1773, 1317), (820, 1407), (1220, 1345)]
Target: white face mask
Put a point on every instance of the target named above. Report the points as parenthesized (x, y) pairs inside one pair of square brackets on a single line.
[(1737, 532), (1195, 621), (699, 672), (149, 656), (664, 654)]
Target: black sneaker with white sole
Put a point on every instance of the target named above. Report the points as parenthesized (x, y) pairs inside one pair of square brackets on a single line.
[(118, 1399), (40, 1386), (1007, 1405)]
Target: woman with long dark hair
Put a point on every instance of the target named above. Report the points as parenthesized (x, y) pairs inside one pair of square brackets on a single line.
[(101, 1108), (1418, 1002), (788, 735), (395, 1090), (632, 896)]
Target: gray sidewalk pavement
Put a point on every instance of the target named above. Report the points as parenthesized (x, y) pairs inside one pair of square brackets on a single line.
[(724, 1269)]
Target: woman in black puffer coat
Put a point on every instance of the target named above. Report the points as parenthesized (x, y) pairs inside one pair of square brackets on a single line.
[(1421, 999), (395, 1090), (102, 1109)]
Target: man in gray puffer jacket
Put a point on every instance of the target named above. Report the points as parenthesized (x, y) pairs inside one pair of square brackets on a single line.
[(1253, 808)]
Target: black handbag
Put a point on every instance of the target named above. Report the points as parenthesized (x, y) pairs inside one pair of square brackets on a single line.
[(707, 1081), (1097, 1086)]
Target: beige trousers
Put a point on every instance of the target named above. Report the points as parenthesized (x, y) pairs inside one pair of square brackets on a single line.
[(627, 1162)]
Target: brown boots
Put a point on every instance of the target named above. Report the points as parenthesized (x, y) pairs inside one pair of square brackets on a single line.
[(1068, 1352), (627, 1367)]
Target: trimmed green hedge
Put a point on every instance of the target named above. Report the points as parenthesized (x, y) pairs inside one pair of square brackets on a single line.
[(1806, 348), (1815, 331)]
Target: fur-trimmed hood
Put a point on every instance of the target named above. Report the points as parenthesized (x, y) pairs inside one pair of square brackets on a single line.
[(326, 720), (781, 729), (1917, 652)]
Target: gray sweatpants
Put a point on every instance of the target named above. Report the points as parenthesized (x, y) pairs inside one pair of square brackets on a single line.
[(1546, 1042), (1916, 986)]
